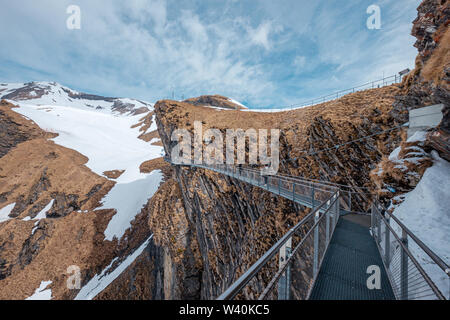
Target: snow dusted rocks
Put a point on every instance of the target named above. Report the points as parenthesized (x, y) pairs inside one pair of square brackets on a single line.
[(403, 169)]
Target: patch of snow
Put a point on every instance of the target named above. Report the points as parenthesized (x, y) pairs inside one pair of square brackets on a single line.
[(153, 126), (41, 293), (4, 212), (218, 108), (35, 227), (128, 197), (237, 102), (395, 153), (99, 282), (418, 136), (106, 139), (425, 211), (42, 214)]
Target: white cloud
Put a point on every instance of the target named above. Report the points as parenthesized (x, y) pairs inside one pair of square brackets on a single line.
[(143, 48), (260, 35)]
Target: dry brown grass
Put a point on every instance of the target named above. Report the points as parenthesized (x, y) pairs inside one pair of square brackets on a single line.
[(433, 70), (349, 117), (113, 174), (155, 164)]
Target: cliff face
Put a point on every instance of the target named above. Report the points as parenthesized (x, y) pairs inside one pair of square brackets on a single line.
[(429, 82), (233, 223)]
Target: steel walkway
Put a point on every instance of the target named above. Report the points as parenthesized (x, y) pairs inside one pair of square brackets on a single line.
[(334, 248), (343, 275)]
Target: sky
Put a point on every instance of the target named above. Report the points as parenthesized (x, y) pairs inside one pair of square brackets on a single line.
[(264, 53)]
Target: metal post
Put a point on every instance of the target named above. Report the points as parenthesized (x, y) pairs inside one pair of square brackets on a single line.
[(293, 191), (333, 217), (338, 208), (284, 283), (404, 268), (327, 220), (447, 271), (312, 196), (387, 243), (350, 200), (379, 229), (279, 186), (372, 220), (316, 245)]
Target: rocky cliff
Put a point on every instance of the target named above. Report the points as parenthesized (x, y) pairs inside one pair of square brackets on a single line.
[(233, 223), (429, 82)]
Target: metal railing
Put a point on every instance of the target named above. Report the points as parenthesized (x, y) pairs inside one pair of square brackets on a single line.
[(386, 81), (409, 263), (301, 191), (312, 235)]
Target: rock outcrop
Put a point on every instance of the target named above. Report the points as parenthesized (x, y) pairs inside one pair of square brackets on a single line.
[(215, 101), (429, 82)]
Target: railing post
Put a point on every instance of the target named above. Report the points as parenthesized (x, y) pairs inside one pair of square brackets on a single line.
[(313, 196), (316, 245), (338, 209), (387, 242), (279, 185), (328, 212), (372, 220), (293, 191), (284, 283), (404, 268), (379, 229), (350, 200)]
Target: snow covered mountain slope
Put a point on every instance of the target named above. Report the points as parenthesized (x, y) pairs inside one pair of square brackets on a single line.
[(110, 143), (71, 185), (52, 93)]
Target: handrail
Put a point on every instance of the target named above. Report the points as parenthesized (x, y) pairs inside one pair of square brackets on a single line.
[(243, 280), (441, 263), (285, 178), (303, 179), (291, 256), (444, 266), (430, 282), (336, 94)]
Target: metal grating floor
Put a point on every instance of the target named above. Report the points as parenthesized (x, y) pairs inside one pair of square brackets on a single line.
[(343, 273)]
